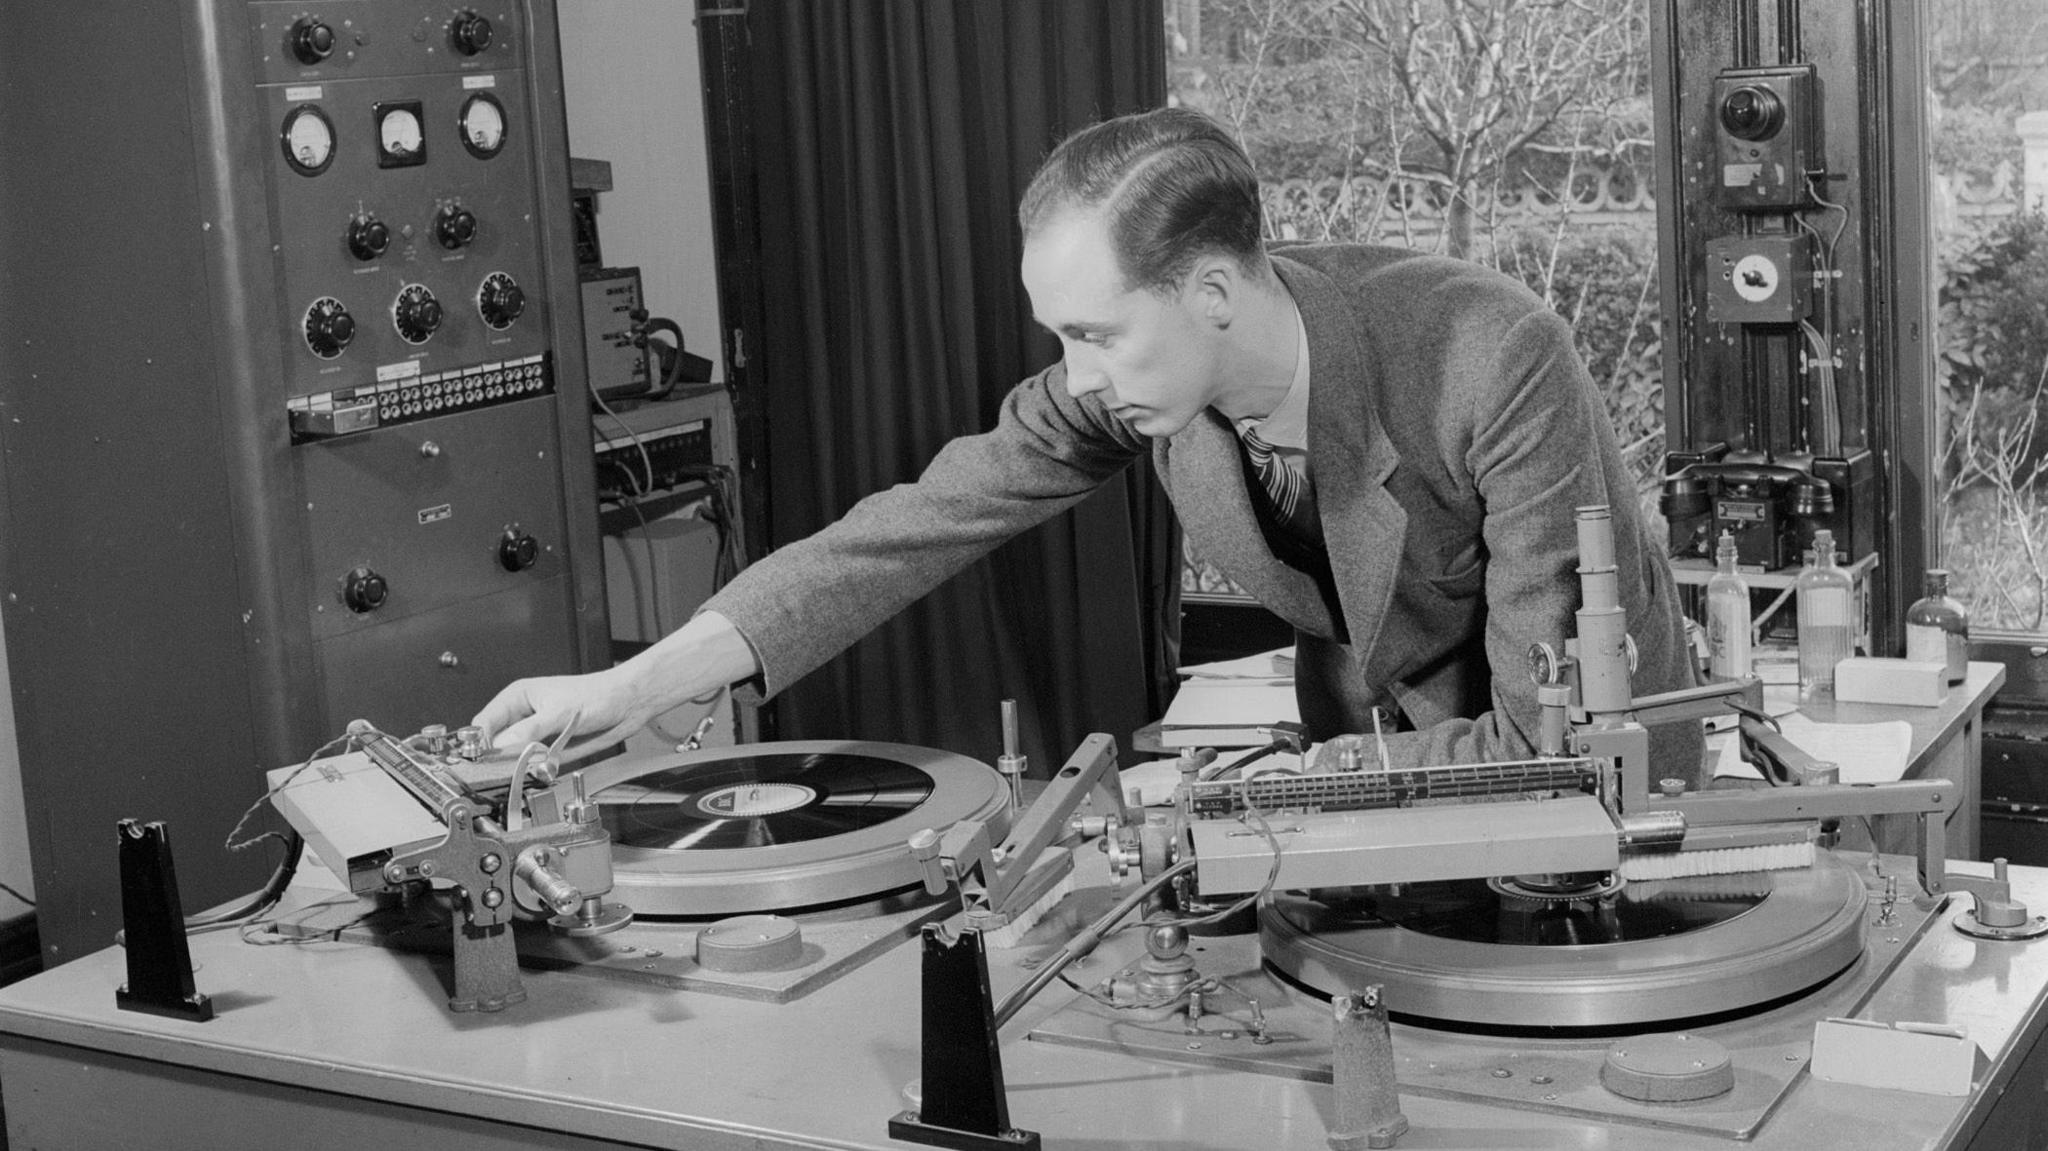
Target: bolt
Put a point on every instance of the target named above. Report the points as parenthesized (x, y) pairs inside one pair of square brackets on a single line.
[(1504, 1073), (1194, 1047), (1540, 1079)]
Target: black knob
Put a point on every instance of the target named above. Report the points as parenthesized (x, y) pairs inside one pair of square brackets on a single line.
[(417, 313), (364, 590), (470, 33), (500, 301), (368, 237), (454, 226), (329, 327), (311, 41), (517, 550), (1752, 112)]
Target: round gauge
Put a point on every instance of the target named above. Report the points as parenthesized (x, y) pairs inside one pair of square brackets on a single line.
[(1755, 278), (399, 134), (1544, 666), (308, 139), (483, 125)]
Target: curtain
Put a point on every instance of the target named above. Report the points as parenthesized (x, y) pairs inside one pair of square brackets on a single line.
[(891, 141)]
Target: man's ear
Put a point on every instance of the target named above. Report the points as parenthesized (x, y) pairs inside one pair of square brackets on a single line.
[(1216, 287)]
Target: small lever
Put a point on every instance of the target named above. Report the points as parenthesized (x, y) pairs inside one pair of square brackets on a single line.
[(924, 847)]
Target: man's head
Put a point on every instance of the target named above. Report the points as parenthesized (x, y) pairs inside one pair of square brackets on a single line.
[(1171, 186), (1142, 253)]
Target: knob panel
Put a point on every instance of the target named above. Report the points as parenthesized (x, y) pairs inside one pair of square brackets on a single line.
[(363, 590)]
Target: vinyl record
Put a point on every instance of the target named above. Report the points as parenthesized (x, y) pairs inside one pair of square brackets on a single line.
[(781, 826), (760, 800)]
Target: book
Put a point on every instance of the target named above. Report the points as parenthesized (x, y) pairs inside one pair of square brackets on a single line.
[(1227, 713)]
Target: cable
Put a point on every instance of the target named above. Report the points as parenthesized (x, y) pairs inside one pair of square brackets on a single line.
[(17, 895)]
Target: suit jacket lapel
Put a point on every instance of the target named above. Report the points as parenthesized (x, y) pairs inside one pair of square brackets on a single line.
[(1204, 473), (1350, 455)]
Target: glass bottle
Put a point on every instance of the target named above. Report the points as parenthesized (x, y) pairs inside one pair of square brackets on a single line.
[(1938, 628), (1727, 616), (1825, 597)]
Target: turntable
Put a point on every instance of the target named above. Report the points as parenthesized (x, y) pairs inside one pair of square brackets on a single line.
[(762, 871)]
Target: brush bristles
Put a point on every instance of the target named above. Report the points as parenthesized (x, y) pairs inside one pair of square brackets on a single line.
[(1719, 861), (1012, 933)]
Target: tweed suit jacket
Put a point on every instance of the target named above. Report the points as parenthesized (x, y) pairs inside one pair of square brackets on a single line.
[(1453, 433)]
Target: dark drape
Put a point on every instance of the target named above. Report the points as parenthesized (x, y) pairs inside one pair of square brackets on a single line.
[(891, 140)]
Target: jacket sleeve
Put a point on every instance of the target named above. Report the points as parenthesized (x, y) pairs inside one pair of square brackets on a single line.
[(811, 599)]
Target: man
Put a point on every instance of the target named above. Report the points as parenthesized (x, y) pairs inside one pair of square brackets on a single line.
[(1387, 449)]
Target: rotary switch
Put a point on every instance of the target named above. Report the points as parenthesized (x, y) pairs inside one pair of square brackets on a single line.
[(454, 226), (517, 550), (364, 590), (470, 33), (311, 41), (368, 237), (416, 313), (500, 301), (329, 327)]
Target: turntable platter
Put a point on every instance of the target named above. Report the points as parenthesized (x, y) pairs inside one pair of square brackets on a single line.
[(778, 826), (1473, 953)]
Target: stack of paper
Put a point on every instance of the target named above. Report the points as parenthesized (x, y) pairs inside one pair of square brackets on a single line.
[(1227, 703)]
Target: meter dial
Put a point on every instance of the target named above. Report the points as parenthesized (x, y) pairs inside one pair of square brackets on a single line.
[(1544, 666), (401, 141), (329, 327), (415, 313), (1755, 278), (308, 139), (483, 125), (500, 301)]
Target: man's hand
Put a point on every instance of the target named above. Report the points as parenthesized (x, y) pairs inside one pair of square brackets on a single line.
[(699, 658), (535, 710)]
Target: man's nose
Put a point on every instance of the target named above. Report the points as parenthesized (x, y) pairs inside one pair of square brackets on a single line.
[(1083, 379)]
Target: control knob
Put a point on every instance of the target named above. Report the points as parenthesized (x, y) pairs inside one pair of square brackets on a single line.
[(368, 237), (470, 33), (454, 226), (517, 550), (364, 590), (500, 300), (329, 327), (416, 313), (310, 40)]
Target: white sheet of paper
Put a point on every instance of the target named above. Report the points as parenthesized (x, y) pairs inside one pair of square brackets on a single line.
[(1865, 752)]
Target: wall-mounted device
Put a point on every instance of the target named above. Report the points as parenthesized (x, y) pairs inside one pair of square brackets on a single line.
[(1759, 279), (1771, 509), (1767, 135)]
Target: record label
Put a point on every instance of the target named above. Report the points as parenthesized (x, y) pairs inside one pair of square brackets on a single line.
[(750, 799)]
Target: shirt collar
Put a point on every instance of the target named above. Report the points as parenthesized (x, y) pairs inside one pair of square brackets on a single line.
[(1287, 426)]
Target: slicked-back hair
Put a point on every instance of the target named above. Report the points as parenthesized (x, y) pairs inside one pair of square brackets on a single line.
[(1172, 186)]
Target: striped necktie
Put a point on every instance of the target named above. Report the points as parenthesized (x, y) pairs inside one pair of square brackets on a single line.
[(1285, 486)]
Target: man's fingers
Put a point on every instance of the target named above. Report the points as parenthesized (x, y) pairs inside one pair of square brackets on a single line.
[(512, 716)]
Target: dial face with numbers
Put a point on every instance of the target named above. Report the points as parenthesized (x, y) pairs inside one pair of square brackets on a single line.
[(483, 125), (308, 138), (399, 132)]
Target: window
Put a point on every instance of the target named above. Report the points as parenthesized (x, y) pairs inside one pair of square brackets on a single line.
[(1988, 123)]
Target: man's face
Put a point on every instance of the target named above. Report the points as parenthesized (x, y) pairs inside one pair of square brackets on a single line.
[(1150, 359)]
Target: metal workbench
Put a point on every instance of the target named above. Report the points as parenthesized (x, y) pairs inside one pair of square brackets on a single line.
[(347, 1045)]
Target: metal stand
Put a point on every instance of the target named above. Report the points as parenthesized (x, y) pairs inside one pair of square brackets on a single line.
[(1362, 1071), (963, 1105), (153, 927), (486, 966)]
